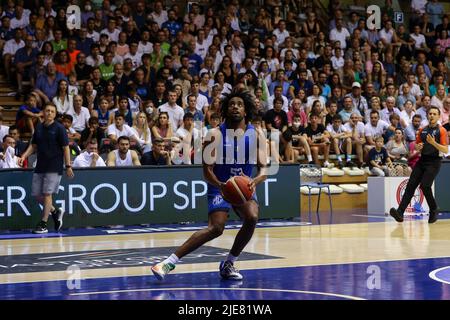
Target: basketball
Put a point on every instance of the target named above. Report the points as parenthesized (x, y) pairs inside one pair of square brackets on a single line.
[(237, 191)]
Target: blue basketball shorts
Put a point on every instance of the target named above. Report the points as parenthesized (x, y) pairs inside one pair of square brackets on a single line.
[(217, 203)]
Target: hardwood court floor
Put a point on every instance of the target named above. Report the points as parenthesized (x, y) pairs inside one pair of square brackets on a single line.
[(364, 260)]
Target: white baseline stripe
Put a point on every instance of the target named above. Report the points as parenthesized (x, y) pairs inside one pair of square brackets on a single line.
[(222, 289)]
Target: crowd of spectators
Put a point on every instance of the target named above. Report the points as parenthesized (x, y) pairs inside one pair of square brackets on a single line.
[(141, 77)]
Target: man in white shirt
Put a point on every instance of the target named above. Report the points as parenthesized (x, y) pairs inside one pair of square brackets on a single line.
[(202, 101), (10, 49), (95, 59), (145, 46), (390, 109), (111, 31), (356, 127), (175, 112), (119, 129), (20, 20), (134, 55), (8, 158), (387, 33), (159, 15), (374, 128), (79, 114), (237, 51), (281, 33), (91, 33), (278, 93), (340, 33), (189, 136), (201, 45), (419, 39), (89, 157)]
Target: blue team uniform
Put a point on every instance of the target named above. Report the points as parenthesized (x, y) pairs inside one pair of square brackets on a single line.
[(226, 168)]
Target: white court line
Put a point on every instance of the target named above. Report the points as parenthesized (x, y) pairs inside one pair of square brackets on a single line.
[(218, 289), (362, 215), (433, 276)]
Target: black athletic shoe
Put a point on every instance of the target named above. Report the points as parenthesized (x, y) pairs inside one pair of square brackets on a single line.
[(350, 164), (57, 216), (41, 228), (311, 162), (396, 215), (433, 216), (340, 165)]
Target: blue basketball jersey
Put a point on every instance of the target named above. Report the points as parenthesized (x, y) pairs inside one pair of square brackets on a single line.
[(235, 156)]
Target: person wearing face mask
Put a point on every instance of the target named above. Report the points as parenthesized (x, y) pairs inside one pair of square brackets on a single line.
[(87, 13), (8, 159), (89, 157), (294, 142)]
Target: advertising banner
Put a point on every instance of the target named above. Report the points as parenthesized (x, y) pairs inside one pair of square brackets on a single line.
[(132, 196)]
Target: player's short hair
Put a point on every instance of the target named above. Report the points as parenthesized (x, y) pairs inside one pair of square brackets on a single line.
[(436, 108), (123, 138)]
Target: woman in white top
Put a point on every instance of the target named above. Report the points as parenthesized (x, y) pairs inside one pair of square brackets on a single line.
[(271, 59), (140, 125), (63, 101)]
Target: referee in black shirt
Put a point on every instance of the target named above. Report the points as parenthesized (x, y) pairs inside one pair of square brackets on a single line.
[(432, 142)]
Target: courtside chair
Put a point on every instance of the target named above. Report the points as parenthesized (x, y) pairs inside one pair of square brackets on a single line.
[(311, 178)]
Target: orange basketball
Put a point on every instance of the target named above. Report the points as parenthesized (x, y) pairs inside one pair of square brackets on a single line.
[(237, 191)]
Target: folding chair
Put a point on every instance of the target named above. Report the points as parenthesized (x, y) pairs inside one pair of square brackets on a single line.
[(311, 177)]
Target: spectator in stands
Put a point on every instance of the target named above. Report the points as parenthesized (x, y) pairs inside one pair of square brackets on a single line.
[(28, 114), (8, 158), (9, 50), (92, 131), (348, 110), (89, 158), (63, 100), (24, 58), (48, 84), (192, 108), (389, 110), (318, 139), (21, 146), (158, 156), (396, 147), (80, 114), (293, 141), (174, 111), (119, 129), (341, 141), (123, 156), (379, 159), (358, 139), (140, 125), (412, 129)]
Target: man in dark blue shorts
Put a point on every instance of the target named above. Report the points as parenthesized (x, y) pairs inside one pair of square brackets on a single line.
[(221, 162), (51, 143)]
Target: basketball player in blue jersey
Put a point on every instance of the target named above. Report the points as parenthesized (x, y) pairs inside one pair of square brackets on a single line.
[(432, 143), (238, 109)]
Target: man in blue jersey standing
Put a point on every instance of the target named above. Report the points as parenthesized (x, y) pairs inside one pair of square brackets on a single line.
[(238, 109)]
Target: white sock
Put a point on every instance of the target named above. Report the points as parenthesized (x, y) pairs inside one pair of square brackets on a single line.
[(309, 157), (231, 258), (173, 259), (339, 157)]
